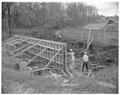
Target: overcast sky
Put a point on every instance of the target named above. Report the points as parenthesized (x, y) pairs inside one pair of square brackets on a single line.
[(106, 8)]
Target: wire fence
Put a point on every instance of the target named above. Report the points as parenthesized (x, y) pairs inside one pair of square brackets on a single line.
[(109, 37)]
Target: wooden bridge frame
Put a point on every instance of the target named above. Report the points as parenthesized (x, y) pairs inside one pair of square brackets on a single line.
[(57, 47)]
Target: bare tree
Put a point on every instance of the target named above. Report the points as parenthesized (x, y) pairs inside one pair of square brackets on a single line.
[(6, 13)]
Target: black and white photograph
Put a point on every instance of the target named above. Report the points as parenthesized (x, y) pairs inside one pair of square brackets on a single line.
[(60, 47)]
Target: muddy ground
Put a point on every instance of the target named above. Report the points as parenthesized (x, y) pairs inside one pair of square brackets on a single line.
[(105, 80)]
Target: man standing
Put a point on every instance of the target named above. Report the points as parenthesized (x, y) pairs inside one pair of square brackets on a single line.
[(72, 58), (85, 61), (71, 61)]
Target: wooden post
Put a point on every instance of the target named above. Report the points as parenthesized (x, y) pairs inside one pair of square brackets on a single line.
[(89, 44), (65, 60), (104, 36), (88, 37)]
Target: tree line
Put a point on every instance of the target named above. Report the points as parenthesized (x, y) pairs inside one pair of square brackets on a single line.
[(46, 15)]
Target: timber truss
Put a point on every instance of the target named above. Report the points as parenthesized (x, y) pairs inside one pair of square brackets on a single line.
[(39, 54)]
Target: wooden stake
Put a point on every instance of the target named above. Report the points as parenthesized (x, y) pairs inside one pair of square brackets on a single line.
[(89, 44), (89, 37)]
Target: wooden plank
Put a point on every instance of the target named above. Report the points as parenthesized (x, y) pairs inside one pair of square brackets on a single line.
[(12, 42), (89, 44), (38, 48), (21, 47), (19, 41), (38, 42), (11, 38), (49, 59), (24, 50), (65, 61), (52, 52), (16, 42), (44, 46), (32, 52), (49, 41), (48, 62), (16, 39), (53, 57), (36, 56), (89, 34)]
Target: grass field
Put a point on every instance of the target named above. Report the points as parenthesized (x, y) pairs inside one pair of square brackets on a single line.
[(108, 37)]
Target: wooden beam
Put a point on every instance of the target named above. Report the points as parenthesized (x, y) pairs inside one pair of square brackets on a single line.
[(24, 49), (89, 44), (36, 56), (48, 41), (52, 53), (89, 34), (65, 61), (48, 62), (38, 41), (49, 59), (47, 46), (44, 46), (53, 57), (21, 47), (17, 42), (14, 38)]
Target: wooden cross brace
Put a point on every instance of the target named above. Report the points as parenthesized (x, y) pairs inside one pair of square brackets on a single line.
[(24, 49), (48, 62), (36, 56)]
